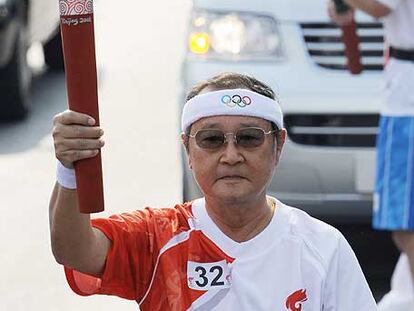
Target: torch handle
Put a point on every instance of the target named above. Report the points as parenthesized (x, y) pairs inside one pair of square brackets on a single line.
[(81, 81), (351, 42), (350, 39)]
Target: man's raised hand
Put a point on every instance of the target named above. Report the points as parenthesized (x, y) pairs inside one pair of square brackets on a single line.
[(75, 137)]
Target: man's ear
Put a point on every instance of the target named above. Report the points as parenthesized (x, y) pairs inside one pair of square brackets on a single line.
[(184, 141), (183, 138), (189, 163), (280, 143)]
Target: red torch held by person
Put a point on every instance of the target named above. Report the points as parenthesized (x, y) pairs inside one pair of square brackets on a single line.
[(350, 40), (78, 40)]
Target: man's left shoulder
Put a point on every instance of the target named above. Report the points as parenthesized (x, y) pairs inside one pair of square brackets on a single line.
[(321, 238), (303, 223)]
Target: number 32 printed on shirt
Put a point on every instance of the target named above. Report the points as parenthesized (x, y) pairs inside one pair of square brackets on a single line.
[(203, 275)]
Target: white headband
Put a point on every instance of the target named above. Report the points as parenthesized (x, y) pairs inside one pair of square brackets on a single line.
[(239, 102)]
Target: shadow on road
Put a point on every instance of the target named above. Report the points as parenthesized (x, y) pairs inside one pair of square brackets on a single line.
[(48, 98)]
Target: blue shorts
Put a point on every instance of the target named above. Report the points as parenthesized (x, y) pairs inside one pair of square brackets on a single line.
[(394, 188)]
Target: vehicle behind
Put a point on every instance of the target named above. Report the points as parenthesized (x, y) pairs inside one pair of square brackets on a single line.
[(327, 166), (23, 23)]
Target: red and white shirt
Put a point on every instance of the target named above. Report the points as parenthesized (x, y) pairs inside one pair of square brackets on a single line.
[(178, 259)]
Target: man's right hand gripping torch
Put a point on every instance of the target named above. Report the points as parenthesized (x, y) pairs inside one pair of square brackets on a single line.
[(350, 39)]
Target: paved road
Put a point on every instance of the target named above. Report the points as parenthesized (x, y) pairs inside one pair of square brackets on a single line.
[(139, 49)]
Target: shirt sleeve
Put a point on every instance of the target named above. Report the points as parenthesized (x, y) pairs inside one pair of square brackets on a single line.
[(130, 260), (346, 287)]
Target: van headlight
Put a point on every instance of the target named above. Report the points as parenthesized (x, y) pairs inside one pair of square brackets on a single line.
[(234, 36)]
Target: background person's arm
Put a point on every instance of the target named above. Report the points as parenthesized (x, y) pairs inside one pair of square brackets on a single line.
[(372, 7), (75, 243)]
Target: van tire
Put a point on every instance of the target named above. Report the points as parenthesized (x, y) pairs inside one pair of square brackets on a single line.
[(15, 81)]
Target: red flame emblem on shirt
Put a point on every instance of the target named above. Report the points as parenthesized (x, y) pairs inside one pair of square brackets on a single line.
[(295, 300)]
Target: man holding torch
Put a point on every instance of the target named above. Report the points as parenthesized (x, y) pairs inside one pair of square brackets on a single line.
[(394, 191), (234, 249)]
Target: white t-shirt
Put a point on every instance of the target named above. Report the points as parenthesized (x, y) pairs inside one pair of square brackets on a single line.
[(399, 24), (296, 261), (398, 74)]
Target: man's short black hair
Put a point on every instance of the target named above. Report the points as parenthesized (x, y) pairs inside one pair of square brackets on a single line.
[(232, 80)]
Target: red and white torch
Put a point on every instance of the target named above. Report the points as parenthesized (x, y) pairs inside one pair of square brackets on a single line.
[(78, 40)]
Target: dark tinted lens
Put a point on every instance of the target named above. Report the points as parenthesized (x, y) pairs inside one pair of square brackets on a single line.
[(250, 137), (209, 139)]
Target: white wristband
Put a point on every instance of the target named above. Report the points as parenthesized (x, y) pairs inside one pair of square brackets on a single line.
[(65, 176)]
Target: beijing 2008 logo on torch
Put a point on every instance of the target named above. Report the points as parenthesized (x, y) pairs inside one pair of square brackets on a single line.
[(75, 7), (236, 100)]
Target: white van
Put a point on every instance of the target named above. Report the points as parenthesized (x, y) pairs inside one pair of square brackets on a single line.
[(327, 165), (22, 23)]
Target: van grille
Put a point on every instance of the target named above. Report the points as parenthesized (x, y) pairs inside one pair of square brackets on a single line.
[(325, 46), (333, 130)]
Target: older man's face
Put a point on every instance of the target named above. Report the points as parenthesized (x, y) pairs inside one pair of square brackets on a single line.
[(233, 173)]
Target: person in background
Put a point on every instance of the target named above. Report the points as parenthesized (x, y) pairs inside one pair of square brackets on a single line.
[(394, 192)]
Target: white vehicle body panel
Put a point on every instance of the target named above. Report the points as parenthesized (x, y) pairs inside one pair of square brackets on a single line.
[(43, 19), (324, 178)]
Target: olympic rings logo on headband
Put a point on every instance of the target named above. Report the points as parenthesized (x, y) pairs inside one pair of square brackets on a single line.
[(236, 100)]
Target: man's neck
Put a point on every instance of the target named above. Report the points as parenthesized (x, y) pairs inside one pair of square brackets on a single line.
[(241, 221)]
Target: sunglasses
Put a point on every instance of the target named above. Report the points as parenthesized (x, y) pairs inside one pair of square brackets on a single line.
[(248, 137)]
